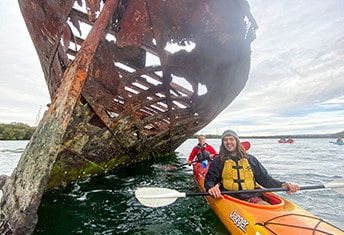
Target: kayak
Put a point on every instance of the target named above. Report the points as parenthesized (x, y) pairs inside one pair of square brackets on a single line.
[(284, 141), (337, 143), (281, 217)]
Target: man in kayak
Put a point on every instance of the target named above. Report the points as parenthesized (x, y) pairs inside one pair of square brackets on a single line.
[(203, 151), (235, 169)]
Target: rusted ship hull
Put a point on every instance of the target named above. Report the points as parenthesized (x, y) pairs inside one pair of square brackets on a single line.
[(119, 95)]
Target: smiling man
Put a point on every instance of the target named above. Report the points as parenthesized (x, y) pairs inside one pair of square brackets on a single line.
[(235, 169)]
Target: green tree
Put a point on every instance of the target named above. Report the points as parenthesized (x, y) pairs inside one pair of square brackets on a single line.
[(15, 131)]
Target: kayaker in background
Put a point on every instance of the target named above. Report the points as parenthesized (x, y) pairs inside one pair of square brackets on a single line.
[(235, 169), (339, 140), (202, 151)]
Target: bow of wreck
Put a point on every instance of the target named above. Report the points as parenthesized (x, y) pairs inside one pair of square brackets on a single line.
[(128, 80)]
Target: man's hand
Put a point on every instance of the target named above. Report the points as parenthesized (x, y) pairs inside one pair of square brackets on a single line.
[(215, 191), (292, 187)]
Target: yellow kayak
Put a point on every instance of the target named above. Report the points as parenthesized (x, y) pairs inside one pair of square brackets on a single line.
[(282, 217)]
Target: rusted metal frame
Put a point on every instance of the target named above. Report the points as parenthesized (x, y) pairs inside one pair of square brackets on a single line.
[(151, 111), (113, 108), (118, 101), (180, 99), (175, 90), (136, 122), (112, 123), (155, 101), (139, 72), (45, 39), (181, 89), (159, 125), (56, 47), (149, 92), (158, 117), (141, 81), (100, 110), (167, 78), (146, 106), (185, 114), (148, 110), (56, 118), (71, 52), (125, 82), (78, 41), (84, 18), (109, 122), (155, 76), (98, 95), (157, 128), (142, 113), (81, 16), (158, 107)]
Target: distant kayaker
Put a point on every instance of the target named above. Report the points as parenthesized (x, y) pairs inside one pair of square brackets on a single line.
[(202, 151), (339, 140), (235, 169)]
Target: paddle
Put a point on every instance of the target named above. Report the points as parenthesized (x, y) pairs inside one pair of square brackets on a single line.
[(157, 197), (246, 145)]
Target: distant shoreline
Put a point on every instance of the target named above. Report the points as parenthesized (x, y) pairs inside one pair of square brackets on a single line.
[(329, 136), (21, 131)]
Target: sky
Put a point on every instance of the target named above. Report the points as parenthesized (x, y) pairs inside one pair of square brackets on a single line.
[(295, 85)]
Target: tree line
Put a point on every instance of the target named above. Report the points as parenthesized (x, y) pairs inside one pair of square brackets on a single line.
[(16, 131)]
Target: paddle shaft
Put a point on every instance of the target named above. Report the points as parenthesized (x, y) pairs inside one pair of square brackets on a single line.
[(156, 197), (260, 190)]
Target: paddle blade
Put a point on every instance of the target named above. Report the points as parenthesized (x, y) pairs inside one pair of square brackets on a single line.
[(157, 197), (336, 185), (246, 145)]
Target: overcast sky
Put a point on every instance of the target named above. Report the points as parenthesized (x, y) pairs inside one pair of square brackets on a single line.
[(295, 86)]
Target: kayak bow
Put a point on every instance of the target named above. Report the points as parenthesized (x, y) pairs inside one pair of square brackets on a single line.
[(281, 217)]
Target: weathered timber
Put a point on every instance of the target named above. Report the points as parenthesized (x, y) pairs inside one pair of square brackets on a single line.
[(118, 94)]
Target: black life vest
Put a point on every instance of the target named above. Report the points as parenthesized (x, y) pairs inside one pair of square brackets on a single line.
[(203, 154)]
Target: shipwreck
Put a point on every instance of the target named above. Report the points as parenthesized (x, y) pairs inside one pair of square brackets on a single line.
[(129, 80)]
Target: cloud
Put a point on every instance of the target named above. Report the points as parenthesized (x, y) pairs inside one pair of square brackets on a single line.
[(296, 79), (22, 85), (295, 84)]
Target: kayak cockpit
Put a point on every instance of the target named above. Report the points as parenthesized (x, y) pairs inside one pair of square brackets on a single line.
[(275, 201)]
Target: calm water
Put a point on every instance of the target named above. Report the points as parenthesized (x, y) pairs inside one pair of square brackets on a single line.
[(106, 205)]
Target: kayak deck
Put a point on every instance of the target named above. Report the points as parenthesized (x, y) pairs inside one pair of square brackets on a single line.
[(281, 217)]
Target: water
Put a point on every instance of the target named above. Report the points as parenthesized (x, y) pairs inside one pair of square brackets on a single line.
[(106, 204)]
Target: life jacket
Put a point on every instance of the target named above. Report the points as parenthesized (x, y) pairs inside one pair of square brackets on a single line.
[(234, 174), (202, 154)]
